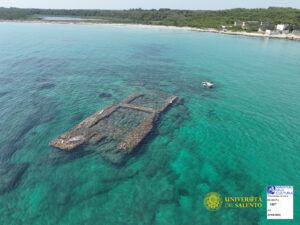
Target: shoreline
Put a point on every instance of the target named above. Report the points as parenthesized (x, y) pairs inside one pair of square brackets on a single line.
[(292, 37)]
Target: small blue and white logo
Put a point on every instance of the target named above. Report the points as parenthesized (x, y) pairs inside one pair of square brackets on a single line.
[(271, 190), (280, 202)]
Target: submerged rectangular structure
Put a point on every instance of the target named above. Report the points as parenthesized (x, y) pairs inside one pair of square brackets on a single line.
[(117, 128)]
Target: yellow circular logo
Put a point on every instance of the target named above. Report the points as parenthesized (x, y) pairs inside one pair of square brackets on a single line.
[(213, 201)]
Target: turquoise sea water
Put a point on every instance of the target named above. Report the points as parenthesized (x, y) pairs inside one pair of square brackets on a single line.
[(62, 18), (233, 139)]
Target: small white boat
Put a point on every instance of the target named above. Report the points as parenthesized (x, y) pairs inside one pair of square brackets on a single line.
[(209, 84)]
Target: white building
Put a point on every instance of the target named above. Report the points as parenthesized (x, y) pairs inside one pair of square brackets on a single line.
[(268, 32), (272, 32), (281, 27)]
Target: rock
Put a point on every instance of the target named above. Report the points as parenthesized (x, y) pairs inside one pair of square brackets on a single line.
[(96, 138)]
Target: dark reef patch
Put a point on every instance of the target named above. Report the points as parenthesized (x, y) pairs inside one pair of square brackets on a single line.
[(3, 93), (76, 117), (137, 83), (57, 157), (42, 80), (118, 175), (150, 49), (43, 111), (183, 192), (34, 133), (153, 166), (203, 70), (105, 95), (41, 62), (14, 143), (6, 80), (151, 52), (175, 117), (45, 86), (11, 175)]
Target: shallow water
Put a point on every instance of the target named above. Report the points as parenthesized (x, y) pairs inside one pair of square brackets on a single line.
[(63, 18), (233, 139)]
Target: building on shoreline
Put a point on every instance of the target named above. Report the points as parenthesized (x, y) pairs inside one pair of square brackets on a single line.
[(296, 32), (247, 23), (224, 27), (268, 28), (272, 32), (254, 25), (282, 27), (238, 23), (267, 24)]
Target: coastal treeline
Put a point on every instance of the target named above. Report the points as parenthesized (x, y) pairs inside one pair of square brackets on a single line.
[(192, 18)]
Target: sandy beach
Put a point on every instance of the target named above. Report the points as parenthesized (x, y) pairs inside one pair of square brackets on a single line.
[(212, 30)]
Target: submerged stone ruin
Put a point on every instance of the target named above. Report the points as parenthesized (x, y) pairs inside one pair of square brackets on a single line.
[(117, 129)]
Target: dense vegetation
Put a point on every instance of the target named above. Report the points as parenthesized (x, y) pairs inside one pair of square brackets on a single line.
[(193, 18)]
